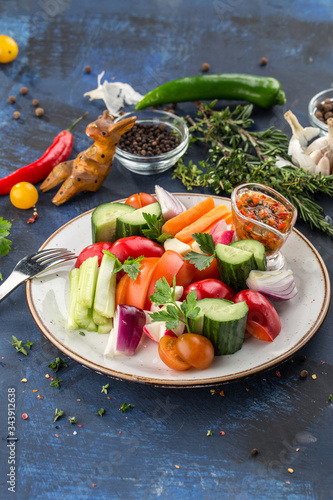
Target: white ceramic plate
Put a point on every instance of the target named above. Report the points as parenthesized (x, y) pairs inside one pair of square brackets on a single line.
[(301, 317)]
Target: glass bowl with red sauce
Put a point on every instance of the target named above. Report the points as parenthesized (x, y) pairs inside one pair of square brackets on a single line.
[(261, 213)]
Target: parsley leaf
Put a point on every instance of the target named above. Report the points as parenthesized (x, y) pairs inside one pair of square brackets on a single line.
[(57, 364), (199, 260), (130, 266), (101, 412), (154, 226), (58, 414), (205, 241), (164, 295), (124, 407), (206, 244), (72, 420), (5, 244)]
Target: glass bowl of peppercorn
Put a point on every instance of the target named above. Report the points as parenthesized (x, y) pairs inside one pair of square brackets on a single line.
[(155, 143), (321, 109)]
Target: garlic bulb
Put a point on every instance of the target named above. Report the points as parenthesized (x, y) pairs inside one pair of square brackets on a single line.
[(299, 141), (324, 144)]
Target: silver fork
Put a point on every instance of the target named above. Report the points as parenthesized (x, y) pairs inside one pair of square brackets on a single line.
[(33, 264)]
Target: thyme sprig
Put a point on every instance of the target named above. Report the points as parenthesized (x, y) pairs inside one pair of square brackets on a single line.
[(238, 155)]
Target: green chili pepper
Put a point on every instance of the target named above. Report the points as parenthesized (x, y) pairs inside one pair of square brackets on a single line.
[(260, 90)]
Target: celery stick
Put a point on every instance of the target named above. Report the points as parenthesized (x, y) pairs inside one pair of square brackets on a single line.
[(87, 281), (99, 319), (105, 297), (73, 287), (106, 328), (82, 315)]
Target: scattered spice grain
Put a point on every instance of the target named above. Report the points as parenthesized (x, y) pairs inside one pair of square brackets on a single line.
[(23, 90), (205, 66), (254, 452), (11, 99), (35, 102), (87, 69), (16, 115), (263, 61), (304, 373), (39, 111)]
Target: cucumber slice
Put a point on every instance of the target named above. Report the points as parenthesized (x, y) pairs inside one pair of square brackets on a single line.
[(83, 318), (133, 223), (206, 306), (234, 265), (106, 327), (223, 323), (87, 281), (226, 328), (103, 220), (73, 288), (105, 295), (258, 250)]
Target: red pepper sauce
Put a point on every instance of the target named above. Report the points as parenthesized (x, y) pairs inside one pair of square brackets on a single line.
[(262, 208)]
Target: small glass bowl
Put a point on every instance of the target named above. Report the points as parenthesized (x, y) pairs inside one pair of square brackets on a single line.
[(148, 165), (315, 122), (247, 228)]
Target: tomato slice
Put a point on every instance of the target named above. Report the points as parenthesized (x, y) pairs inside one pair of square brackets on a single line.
[(167, 267), (136, 290), (169, 355), (258, 331), (185, 274), (92, 250), (135, 246), (196, 350), (139, 200)]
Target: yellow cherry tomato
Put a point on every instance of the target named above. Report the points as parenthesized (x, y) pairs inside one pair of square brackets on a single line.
[(8, 49), (23, 195)]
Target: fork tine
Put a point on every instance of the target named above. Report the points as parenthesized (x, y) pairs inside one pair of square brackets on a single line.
[(51, 262), (42, 257), (50, 259)]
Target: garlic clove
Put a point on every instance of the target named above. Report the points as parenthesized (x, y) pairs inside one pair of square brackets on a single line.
[(316, 156), (303, 135), (323, 166)]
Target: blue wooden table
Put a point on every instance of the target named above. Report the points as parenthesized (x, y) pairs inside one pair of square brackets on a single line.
[(159, 448)]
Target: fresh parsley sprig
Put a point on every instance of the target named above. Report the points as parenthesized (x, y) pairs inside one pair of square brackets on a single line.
[(154, 231), (58, 414), (130, 266), (164, 295), (206, 244), (124, 407)]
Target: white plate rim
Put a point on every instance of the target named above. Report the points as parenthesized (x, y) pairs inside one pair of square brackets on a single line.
[(184, 383)]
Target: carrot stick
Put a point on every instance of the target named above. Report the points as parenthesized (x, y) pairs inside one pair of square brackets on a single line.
[(176, 224), (200, 225)]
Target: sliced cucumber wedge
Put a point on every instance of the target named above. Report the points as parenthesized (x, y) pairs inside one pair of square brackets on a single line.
[(223, 323), (103, 220), (105, 295), (234, 265), (133, 223), (258, 250)]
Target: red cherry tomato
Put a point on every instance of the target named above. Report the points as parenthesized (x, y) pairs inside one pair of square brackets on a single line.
[(135, 246), (92, 250), (139, 200), (196, 350), (169, 355), (261, 311), (210, 288)]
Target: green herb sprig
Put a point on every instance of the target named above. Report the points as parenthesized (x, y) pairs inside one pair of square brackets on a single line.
[(57, 364), (164, 295), (58, 414), (237, 155), (20, 345), (124, 407), (56, 383), (130, 266)]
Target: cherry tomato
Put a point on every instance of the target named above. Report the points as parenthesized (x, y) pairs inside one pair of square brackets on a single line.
[(210, 288), (196, 350), (139, 200), (135, 246), (92, 250), (23, 195), (169, 355), (260, 311), (8, 49)]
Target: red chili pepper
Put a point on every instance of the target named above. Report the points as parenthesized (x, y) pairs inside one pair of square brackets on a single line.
[(40, 169)]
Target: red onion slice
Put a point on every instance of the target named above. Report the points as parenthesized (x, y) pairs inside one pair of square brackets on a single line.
[(170, 205)]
